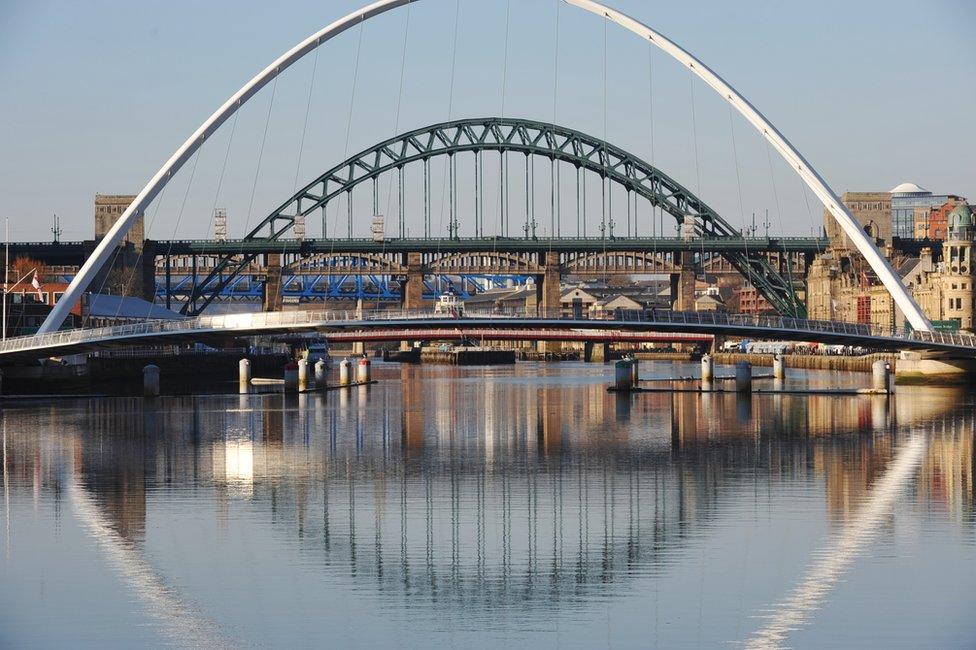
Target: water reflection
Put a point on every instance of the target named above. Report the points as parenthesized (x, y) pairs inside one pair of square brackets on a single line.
[(479, 492)]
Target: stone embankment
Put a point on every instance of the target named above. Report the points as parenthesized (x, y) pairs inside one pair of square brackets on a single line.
[(809, 362)]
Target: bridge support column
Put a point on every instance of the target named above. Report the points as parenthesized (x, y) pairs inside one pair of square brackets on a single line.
[(412, 287), (683, 283), (595, 352), (412, 296), (271, 296), (358, 349), (548, 293)]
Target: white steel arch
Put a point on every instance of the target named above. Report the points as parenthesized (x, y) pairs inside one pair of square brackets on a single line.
[(117, 232), (886, 273), (813, 180)]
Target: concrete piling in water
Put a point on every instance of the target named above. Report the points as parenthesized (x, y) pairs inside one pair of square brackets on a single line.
[(321, 372), (345, 372), (743, 377), (150, 381), (244, 375), (779, 367), (291, 377), (303, 375), (635, 372), (363, 371), (881, 375), (707, 369), (623, 375)]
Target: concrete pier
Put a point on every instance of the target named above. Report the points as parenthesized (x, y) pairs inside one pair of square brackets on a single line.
[(743, 377), (244, 375), (345, 372), (623, 375), (150, 381), (303, 383), (881, 376), (707, 369), (321, 373), (363, 371), (779, 367)]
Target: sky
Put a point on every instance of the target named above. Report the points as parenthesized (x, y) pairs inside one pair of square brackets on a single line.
[(98, 94)]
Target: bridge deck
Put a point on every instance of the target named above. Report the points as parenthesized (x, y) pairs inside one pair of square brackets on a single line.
[(214, 328)]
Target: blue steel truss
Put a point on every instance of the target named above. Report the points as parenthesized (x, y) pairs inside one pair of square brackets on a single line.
[(322, 287)]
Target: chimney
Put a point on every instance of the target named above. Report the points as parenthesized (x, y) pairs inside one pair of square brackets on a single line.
[(925, 259)]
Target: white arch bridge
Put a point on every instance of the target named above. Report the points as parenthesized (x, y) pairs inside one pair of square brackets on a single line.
[(522, 325), (790, 155)]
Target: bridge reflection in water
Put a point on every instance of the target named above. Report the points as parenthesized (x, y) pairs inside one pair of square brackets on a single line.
[(489, 491)]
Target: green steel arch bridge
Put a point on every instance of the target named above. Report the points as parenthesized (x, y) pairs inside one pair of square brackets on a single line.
[(624, 244)]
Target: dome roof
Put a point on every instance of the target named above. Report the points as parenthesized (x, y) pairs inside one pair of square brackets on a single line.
[(961, 216), (908, 188)]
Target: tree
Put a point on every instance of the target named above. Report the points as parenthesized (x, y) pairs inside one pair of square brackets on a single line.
[(119, 282), (23, 265)]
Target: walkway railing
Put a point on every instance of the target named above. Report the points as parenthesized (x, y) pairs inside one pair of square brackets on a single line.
[(250, 322)]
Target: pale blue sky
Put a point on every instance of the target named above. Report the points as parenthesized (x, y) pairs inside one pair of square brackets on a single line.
[(97, 94)]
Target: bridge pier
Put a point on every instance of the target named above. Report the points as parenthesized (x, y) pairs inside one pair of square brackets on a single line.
[(271, 294), (683, 282), (412, 287), (596, 352), (412, 296), (548, 293)]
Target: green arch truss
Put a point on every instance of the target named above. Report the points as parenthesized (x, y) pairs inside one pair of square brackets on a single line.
[(509, 135)]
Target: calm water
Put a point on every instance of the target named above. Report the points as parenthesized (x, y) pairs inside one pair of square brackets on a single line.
[(517, 507)]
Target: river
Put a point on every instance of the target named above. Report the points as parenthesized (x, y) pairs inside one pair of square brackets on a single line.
[(521, 506)]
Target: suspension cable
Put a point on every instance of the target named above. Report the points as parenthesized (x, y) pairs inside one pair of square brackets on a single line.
[(448, 164), (176, 227), (352, 105), (554, 167), (779, 219), (502, 166), (605, 159), (742, 214), (396, 126)]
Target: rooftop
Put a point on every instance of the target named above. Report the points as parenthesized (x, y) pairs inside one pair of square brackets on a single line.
[(908, 188)]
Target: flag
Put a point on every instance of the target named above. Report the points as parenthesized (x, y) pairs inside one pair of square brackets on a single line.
[(37, 287)]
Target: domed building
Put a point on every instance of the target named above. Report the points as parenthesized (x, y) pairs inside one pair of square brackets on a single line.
[(908, 199), (841, 286), (958, 274), (961, 225)]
